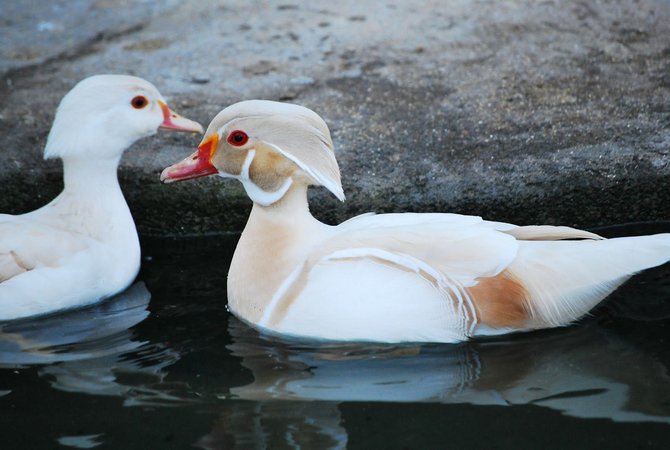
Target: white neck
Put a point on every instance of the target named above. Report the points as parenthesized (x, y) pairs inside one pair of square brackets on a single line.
[(92, 202), (90, 176), (277, 238)]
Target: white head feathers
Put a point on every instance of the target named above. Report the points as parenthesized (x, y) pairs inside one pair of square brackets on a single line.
[(96, 117)]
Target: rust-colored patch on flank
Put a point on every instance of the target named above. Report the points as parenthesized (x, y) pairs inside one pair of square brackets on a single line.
[(501, 301)]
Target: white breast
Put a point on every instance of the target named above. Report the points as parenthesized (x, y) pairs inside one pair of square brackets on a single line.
[(367, 301)]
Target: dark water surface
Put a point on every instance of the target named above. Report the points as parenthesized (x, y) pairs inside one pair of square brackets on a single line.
[(164, 365)]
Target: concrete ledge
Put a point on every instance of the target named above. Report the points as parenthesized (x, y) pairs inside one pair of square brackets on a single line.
[(521, 112)]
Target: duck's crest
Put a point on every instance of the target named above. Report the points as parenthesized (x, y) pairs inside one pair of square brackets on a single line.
[(294, 131)]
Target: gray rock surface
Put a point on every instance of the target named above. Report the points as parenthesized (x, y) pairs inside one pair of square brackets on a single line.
[(523, 111)]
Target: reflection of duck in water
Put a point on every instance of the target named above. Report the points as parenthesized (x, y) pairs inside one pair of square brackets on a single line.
[(583, 372), (85, 350), (298, 388), (80, 334), (297, 425)]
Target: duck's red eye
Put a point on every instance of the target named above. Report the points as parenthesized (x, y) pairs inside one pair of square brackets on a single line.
[(139, 102), (238, 138)]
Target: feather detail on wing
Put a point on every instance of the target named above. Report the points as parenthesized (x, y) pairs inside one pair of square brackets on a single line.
[(522, 233), (394, 220), (464, 251), (549, 233), (45, 269), (75, 282), (449, 256), (26, 245), (566, 279)]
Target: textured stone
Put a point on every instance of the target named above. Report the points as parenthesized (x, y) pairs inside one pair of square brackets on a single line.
[(522, 111)]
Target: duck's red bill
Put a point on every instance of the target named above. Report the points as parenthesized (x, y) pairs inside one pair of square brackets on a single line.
[(199, 164)]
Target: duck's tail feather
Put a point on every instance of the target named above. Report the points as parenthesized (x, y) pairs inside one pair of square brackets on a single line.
[(566, 279)]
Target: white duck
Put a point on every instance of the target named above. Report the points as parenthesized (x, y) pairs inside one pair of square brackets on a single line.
[(83, 246), (390, 277)]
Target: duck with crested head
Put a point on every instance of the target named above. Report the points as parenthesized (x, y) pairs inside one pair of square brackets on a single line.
[(83, 247), (405, 277)]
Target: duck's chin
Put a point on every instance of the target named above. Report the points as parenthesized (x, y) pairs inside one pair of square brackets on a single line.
[(266, 198), (256, 193)]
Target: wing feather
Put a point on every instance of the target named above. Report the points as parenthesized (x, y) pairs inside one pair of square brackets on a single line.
[(449, 255), (26, 245), (464, 248), (549, 233)]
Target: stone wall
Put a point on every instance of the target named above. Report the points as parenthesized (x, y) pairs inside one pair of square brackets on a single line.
[(523, 111)]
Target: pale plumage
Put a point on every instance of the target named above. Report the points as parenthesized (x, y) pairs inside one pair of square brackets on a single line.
[(390, 277), (82, 246)]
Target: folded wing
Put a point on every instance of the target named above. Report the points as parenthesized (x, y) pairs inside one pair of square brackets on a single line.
[(417, 276)]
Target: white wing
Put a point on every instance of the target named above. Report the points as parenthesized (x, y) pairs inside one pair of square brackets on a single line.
[(523, 233), (565, 279), (77, 281), (44, 269), (404, 281), (26, 245), (372, 220)]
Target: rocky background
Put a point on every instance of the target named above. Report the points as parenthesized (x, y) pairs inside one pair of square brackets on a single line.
[(530, 111)]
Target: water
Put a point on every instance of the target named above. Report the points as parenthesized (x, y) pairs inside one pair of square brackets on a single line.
[(165, 366)]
